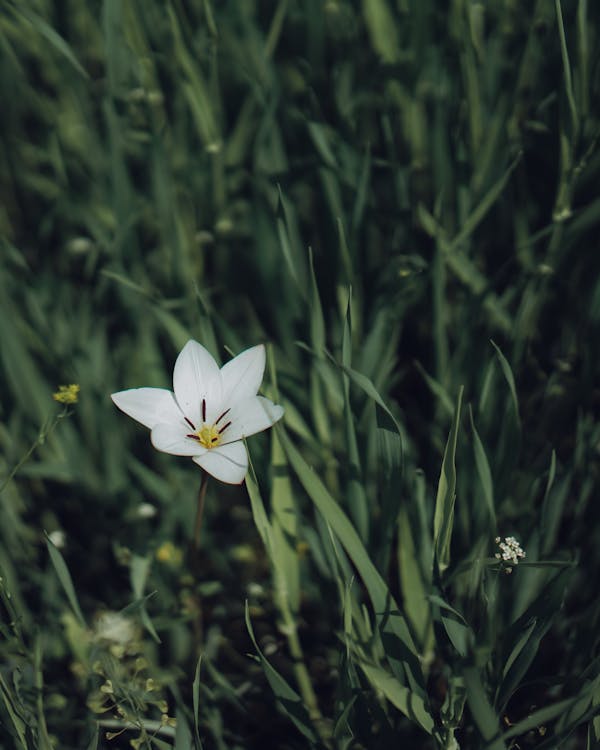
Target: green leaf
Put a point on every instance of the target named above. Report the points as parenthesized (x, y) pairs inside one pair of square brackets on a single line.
[(183, 735), (388, 421), (446, 495), (356, 496), (137, 604), (317, 323), (397, 639), (570, 712), (362, 191), (126, 282), (259, 513), (567, 70), (44, 742), (341, 727), (65, 580), (483, 471), (458, 630), (289, 250), (93, 743), (399, 696), (17, 722), (345, 255), (287, 697), (437, 389), (161, 744), (525, 639), (454, 703), (382, 29), (510, 379), (194, 86), (413, 586), (285, 563), (483, 714), (196, 704), (553, 506), (320, 135), (138, 573), (480, 211), (50, 35), (515, 667)]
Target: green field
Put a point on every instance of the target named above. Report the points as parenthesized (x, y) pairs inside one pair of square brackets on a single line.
[(399, 199)]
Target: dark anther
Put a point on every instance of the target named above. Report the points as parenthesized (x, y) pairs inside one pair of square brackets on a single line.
[(194, 437), (190, 423), (225, 426), (204, 410), (214, 440), (222, 415)]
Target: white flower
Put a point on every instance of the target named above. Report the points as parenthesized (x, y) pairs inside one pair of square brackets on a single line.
[(58, 538), (145, 510), (114, 628), (210, 411), (511, 551)]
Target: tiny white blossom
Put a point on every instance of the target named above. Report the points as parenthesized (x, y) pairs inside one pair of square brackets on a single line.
[(510, 551), (58, 538), (209, 411), (145, 510), (115, 628)]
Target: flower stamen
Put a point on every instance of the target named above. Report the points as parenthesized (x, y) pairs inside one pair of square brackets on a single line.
[(222, 415), (224, 427), (191, 424), (204, 410), (208, 436)]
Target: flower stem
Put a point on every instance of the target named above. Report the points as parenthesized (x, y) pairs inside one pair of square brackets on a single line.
[(45, 430), (199, 513)]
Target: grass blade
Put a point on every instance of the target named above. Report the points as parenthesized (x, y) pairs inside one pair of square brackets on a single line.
[(65, 580), (446, 495), (196, 704), (392, 622), (483, 714), (287, 697), (399, 696), (484, 472)]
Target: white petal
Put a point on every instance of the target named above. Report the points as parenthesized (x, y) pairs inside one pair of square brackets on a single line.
[(171, 438), (250, 416), (227, 463), (243, 375), (148, 405), (196, 377)]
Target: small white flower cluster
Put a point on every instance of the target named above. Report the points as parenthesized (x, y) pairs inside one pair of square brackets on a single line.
[(511, 551), (115, 629)]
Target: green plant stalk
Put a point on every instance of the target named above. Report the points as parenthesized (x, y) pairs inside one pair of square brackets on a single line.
[(44, 432), (282, 600), (199, 513), (440, 316), (301, 674), (44, 739)]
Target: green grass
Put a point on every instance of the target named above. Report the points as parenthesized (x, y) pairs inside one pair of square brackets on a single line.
[(400, 199)]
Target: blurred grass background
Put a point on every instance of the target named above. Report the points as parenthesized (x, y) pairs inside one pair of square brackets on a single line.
[(164, 170)]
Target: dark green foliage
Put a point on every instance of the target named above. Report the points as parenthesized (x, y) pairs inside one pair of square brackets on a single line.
[(400, 198)]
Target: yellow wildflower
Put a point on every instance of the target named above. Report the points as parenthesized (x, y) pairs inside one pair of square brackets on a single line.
[(169, 553), (67, 394)]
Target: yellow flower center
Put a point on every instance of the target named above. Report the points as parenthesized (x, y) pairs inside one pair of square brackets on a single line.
[(208, 436)]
